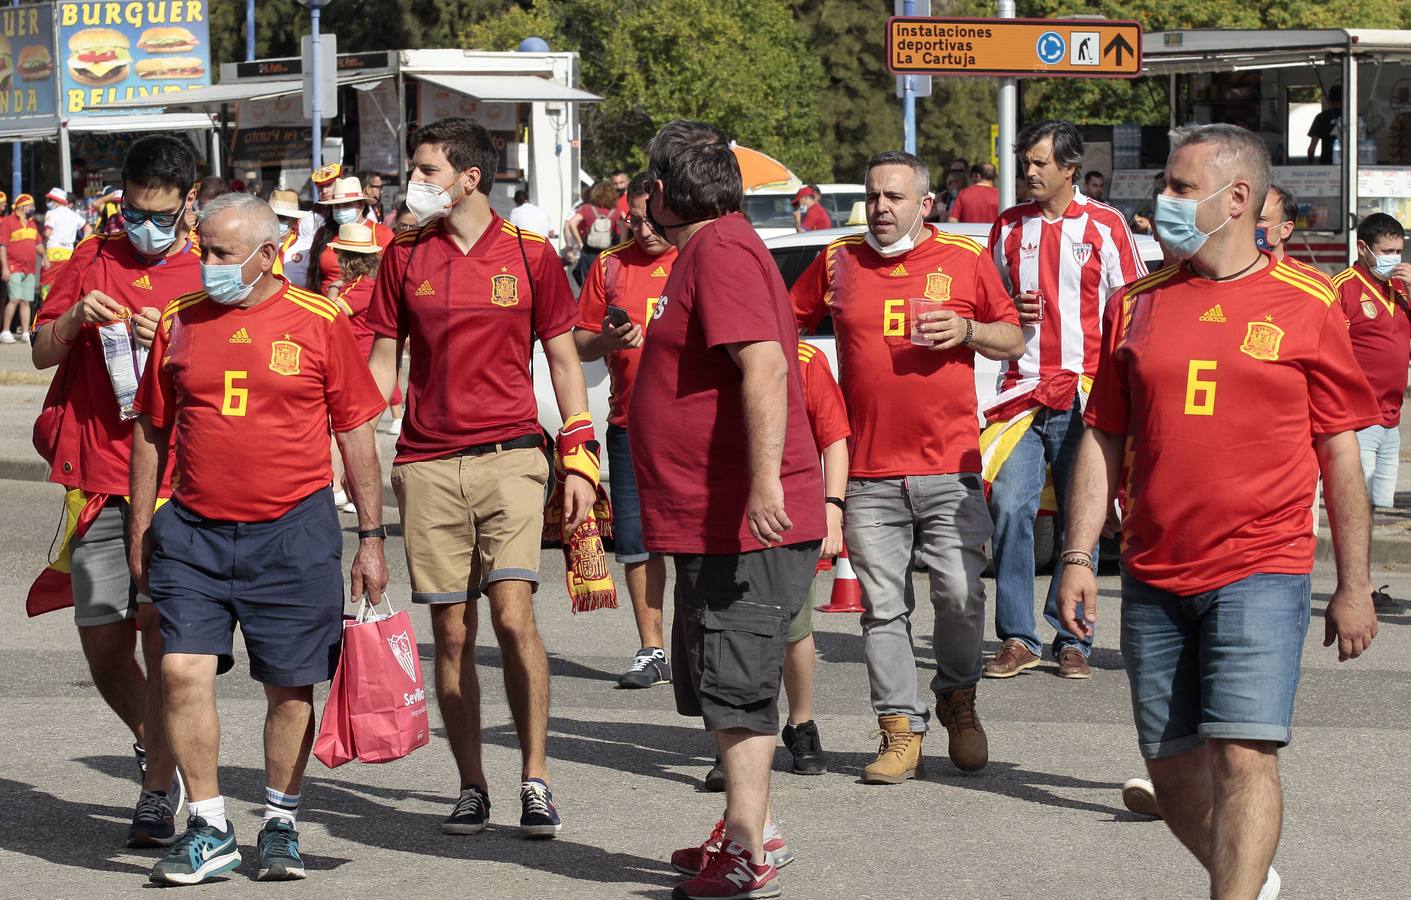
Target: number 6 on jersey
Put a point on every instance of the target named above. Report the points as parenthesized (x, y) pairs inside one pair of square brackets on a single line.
[(237, 399), (1200, 395)]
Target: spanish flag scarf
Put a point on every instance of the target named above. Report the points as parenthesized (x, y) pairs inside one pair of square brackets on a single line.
[(586, 571)]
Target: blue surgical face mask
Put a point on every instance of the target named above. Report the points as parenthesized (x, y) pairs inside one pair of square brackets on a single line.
[(1382, 265), (1261, 239), (225, 284), (149, 239), (345, 213), (283, 229), (1175, 224)]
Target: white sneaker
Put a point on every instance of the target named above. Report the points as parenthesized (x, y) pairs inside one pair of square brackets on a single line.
[(24, 337), (350, 507), (340, 499), (1270, 889), (6, 337), (395, 427), (1139, 796)]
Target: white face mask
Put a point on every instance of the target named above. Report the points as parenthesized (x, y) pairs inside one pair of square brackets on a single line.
[(904, 244), (428, 202)]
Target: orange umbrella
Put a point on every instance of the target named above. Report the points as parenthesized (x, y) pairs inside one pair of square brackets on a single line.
[(759, 170)]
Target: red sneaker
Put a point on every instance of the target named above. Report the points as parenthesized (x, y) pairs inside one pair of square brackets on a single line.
[(692, 860), (731, 875)]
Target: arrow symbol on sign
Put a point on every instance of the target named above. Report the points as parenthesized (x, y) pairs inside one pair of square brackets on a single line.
[(1118, 45)]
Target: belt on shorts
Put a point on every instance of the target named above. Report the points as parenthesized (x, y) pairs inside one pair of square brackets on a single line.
[(523, 442)]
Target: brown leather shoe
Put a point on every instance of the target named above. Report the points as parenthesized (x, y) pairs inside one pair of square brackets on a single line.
[(1011, 659), (898, 756), (969, 747), (1073, 664)]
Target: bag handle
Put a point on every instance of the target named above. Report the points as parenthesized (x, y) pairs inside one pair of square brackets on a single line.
[(365, 609)]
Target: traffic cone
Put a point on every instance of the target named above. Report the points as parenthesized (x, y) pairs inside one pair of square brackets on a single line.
[(847, 593)]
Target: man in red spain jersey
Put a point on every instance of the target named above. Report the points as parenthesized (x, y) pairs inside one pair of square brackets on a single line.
[(1061, 255), (1373, 294), (112, 278), (19, 248), (911, 306), (1228, 383), (471, 293), (629, 278), (240, 369)]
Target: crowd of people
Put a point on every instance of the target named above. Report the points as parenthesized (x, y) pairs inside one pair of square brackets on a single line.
[(275, 336)]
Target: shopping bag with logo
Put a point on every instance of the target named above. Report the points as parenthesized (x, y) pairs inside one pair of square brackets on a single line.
[(382, 685), (334, 744)]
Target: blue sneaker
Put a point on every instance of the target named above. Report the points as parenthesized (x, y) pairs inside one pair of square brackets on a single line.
[(153, 824), (278, 848), (201, 853), (469, 815), (538, 818)]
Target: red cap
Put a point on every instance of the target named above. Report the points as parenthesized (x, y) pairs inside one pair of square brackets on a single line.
[(803, 192)]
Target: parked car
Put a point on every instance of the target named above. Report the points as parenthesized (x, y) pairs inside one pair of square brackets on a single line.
[(772, 212)]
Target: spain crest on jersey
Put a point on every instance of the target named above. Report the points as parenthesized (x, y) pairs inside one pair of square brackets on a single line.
[(1261, 341), (938, 286), (1082, 253), (284, 357), (1369, 308), (504, 290)]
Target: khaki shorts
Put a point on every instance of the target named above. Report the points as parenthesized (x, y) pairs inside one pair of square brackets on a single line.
[(469, 521)]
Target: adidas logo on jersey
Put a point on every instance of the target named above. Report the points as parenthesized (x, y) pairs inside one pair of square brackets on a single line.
[(1213, 314), (144, 282), (241, 337), (898, 272), (659, 272), (425, 289)]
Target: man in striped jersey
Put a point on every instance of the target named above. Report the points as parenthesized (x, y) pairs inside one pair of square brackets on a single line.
[(1061, 255)]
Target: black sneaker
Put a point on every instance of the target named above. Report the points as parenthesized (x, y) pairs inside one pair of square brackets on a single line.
[(278, 849), (153, 822), (649, 667), (176, 793), (715, 778), (802, 741), (470, 813), (538, 817)]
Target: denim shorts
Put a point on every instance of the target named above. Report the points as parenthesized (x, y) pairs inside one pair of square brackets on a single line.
[(1223, 664), (629, 545)]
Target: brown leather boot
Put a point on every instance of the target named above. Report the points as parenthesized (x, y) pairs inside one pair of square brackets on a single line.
[(969, 748), (898, 756)]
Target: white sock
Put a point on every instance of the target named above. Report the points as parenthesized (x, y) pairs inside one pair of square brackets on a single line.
[(281, 806), (212, 810)]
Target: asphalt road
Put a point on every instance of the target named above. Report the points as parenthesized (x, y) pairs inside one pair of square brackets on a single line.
[(1044, 819)]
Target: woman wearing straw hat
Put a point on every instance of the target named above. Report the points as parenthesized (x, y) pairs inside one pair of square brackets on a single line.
[(347, 204)]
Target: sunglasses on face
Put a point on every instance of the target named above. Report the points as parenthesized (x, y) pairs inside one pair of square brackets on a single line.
[(136, 217)]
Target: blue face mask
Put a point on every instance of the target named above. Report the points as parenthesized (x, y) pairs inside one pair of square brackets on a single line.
[(149, 239), (1382, 265), (345, 214), (225, 284), (1175, 224), (1261, 239)]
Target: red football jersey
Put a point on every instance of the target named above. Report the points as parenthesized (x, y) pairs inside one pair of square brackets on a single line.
[(690, 449), (251, 393), (1379, 322), (625, 276), (357, 294), (827, 414), (816, 218), (328, 267), (21, 240), (470, 320), (1221, 388), (977, 203), (912, 409), (94, 442)]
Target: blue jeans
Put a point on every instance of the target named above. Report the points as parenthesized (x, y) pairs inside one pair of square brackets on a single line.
[(1223, 664), (1052, 441), (1381, 454), (629, 545)]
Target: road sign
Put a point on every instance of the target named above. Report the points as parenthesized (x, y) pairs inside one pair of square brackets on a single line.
[(326, 78), (1066, 48)]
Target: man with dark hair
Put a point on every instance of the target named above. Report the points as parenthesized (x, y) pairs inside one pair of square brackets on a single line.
[(372, 187), (618, 218), (914, 482), (112, 292), (472, 293), (980, 201), (731, 488), (1274, 228), (1094, 184), (960, 166), (1373, 292), (1061, 254), (629, 278), (1326, 127)]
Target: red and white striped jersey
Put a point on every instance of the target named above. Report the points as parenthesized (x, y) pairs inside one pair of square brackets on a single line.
[(1076, 261)]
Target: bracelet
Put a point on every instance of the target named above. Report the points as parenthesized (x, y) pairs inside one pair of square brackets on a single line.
[(1078, 558), (378, 532), (969, 331), (59, 337), (836, 501)]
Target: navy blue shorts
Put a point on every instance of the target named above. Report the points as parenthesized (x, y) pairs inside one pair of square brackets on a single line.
[(282, 581), (627, 540)]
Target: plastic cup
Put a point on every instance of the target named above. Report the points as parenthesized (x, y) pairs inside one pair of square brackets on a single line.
[(916, 308)]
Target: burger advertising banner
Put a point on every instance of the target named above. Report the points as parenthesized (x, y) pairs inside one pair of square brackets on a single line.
[(111, 52), (26, 61)]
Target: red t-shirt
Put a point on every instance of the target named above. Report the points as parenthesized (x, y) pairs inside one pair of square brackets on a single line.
[(357, 294), (912, 409), (690, 446), (1221, 388), (94, 442), (250, 393), (827, 415), (328, 268), (587, 214), (1379, 323), (625, 276), (976, 203), (21, 240), (471, 319), (815, 218)]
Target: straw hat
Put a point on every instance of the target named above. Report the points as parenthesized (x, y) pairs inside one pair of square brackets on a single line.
[(286, 203), (346, 190), (355, 237)]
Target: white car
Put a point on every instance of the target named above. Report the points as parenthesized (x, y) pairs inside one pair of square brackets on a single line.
[(771, 210)]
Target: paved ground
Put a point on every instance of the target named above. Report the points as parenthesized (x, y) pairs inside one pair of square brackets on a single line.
[(1044, 818)]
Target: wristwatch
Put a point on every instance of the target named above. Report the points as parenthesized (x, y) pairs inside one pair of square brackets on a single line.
[(378, 532)]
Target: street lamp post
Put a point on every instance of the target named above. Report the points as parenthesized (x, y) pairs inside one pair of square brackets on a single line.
[(315, 7), (249, 30)]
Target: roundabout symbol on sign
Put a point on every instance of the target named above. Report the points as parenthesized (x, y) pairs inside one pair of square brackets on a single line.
[(1051, 48)]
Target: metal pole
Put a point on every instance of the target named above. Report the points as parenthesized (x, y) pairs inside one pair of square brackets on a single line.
[(65, 162), (249, 30), (908, 100), (1008, 117), (1350, 114), (15, 162), (317, 87)]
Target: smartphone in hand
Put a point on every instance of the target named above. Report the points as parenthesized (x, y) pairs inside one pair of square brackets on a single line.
[(618, 316)]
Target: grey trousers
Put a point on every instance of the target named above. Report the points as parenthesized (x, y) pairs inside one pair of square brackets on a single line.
[(945, 519)]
